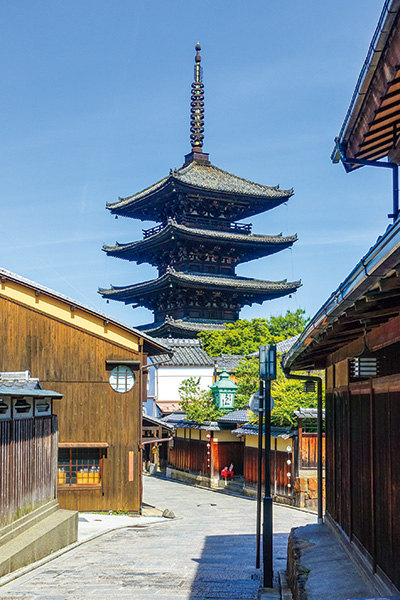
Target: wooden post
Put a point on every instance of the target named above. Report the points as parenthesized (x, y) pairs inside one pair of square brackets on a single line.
[(299, 459)]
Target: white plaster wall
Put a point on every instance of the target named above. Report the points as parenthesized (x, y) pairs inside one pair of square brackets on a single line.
[(169, 379)]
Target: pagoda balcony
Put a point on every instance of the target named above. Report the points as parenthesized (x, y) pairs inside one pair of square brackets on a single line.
[(203, 223)]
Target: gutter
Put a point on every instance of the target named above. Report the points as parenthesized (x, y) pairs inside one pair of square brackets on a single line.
[(364, 274)]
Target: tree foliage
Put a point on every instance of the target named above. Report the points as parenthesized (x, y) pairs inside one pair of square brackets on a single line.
[(288, 394), (198, 404), (245, 337)]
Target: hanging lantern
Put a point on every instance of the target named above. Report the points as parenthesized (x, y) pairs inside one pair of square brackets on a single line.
[(224, 391), (364, 365), (309, 387)]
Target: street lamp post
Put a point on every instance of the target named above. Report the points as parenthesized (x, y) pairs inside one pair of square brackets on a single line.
[(267, 374)]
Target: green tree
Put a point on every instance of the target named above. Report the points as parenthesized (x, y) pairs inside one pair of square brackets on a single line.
[(288, 394), (198, 404), (245, 337)]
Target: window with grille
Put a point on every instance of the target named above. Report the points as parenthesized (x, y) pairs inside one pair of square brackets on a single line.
[(80, 466), (122, 379)]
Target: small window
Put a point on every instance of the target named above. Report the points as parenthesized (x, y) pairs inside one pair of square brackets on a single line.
[(80, 466), (5, 408), (23, 407), (122, 379)]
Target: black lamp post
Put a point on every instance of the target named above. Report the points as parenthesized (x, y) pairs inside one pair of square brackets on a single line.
[(267, 374)]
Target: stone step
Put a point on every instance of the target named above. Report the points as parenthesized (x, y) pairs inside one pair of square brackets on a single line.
[(42, 534), (17, 527)]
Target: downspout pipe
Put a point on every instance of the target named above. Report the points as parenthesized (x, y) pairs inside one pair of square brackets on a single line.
[(318, 381)]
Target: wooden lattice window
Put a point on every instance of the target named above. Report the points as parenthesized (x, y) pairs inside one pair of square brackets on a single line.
[(80, 466)]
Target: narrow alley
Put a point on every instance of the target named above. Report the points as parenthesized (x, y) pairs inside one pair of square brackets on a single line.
[(206, 552)]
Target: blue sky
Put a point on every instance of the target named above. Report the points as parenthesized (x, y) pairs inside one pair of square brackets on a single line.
[(94, 104)]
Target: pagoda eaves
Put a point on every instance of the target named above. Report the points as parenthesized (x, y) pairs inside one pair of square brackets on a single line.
[(222, 194), (181, 328), (184, 244), (240, 291)]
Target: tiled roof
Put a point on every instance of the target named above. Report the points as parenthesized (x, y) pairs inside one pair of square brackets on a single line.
[(276, 432), (236, 416), (20, 382), (213, 281), (176, 417), (308, 413), (283, 346), (207, 425), (187, 352), (50, 292), (250, 239), (156, 421), (228, 362), (208, 177), (180, 325)]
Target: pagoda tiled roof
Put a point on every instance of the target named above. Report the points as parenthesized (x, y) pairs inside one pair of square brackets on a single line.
[(183, 327), (207, 177), (245, 284), (262, 243)]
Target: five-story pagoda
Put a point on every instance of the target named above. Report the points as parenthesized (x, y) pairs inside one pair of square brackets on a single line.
[(199, 242)]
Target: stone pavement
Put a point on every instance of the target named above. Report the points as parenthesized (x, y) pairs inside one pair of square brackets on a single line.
[(323, 567), (207, 552)]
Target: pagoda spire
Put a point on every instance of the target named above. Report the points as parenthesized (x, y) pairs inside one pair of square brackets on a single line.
[(197, 113), (197, 105)]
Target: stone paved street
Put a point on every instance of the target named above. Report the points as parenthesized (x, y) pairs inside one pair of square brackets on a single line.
[(207, 552)]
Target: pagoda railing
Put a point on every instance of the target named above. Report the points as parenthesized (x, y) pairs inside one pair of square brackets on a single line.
[(203, 223), (215, 224), (148, 232)]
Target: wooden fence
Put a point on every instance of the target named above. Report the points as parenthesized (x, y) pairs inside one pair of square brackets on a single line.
[(363, 470), (279, 470), (189, 455), (308, 451), (28, 466)]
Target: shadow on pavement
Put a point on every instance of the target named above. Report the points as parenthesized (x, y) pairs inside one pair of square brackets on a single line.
[(227, 567)]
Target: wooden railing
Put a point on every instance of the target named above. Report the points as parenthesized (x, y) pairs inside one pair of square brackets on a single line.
[(203, 223)]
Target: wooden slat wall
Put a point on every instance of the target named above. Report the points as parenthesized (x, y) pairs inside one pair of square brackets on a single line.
[(189, 455), (73, 362), (282, 468), (226, 453), (28, 452), (363, 470), (308, 451)]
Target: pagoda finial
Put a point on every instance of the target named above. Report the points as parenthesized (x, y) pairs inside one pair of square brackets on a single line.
[(197, 105)]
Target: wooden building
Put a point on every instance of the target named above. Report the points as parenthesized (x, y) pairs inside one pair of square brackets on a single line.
[(199, 242), (355, 336), (200, 452), (96, 363)]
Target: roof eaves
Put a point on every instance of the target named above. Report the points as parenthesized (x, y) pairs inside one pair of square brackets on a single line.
[(375, 50), (367, 271), (5, 274)]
